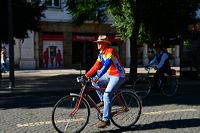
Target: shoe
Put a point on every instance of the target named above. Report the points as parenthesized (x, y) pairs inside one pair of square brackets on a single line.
[(100, 104), (103, 123)]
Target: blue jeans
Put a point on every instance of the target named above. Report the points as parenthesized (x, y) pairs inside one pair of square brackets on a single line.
[(111, 83)]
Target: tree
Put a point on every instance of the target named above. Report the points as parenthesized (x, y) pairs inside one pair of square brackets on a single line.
[(164, 23), (156, 19), (91, 10), (122, 11), (17, 17), (26, 16), (153, 21)]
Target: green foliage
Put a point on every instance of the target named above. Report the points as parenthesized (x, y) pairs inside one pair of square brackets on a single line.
[(186, 44), (87, 10), (160, 19), (96, 11), (26, 16), (123, 17), (165, 19), (143, 37)]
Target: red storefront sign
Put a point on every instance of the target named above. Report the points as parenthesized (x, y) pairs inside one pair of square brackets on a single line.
[(81, 38), (91, 38), (76, 38), (49, 37)]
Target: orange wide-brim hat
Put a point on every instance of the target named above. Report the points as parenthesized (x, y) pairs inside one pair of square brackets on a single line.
[(103, 38)]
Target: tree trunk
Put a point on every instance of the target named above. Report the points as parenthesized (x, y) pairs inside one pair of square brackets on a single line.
[(11, 45), (0, 63), (133, 44)]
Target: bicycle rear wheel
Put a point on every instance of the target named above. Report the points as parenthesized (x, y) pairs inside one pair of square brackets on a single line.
[(126, 109), (142, 86), (65, 117), (170, 86)]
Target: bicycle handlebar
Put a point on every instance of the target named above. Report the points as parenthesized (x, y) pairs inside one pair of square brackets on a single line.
[(83, 80), (148, 68)]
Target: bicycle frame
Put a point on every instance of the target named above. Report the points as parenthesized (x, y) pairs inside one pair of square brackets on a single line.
[(122, 102), (148, 72), (83, 95), (149, 78), (160, 82), (75, 109)]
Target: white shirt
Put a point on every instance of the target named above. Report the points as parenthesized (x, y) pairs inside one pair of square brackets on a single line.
[(2, 58)]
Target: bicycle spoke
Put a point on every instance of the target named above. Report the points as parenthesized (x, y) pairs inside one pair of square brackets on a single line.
[(170, 86), (126, 113), (142, 86), (70, 115)]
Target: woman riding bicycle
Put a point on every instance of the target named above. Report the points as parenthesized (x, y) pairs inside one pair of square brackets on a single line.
[(161, 64), (109, 73)]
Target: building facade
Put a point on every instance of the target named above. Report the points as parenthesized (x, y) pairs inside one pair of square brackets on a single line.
[(61, 44)]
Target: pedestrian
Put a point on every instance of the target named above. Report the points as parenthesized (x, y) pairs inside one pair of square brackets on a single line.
[(58, 59), (3, 60), (109, 73), (46, 58)]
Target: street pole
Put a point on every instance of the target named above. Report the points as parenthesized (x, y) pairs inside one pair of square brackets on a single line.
[(0, 64), (11, 45)]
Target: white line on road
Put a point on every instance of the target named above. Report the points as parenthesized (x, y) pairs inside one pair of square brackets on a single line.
[(81, 119), (34, 124), (170, 111), (48, 122)]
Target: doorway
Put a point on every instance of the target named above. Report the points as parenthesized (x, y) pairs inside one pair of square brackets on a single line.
[(52, 54)]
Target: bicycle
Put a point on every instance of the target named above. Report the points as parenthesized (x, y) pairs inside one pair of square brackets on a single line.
[(71, 113), (143, 84)]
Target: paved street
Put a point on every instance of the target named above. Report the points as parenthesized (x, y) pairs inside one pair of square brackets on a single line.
[(27, 108)]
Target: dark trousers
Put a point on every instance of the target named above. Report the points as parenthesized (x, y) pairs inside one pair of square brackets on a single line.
[(4, 67), (160, 75)]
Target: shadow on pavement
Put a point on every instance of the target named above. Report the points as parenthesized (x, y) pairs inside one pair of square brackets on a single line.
[(44, 91), (41, 83), (38, 92), (179, 99), (170, 124)]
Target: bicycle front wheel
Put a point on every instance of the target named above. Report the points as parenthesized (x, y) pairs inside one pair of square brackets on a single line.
[(70, 115), (142, 86), (126, 109), (170, 86)]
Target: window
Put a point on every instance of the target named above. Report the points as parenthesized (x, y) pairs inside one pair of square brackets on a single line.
[(40, 1), (53, 3)]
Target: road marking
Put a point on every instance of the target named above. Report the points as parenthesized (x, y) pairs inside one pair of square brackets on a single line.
[(81, 119), (48, 122), (34, 124), (170, 111)]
